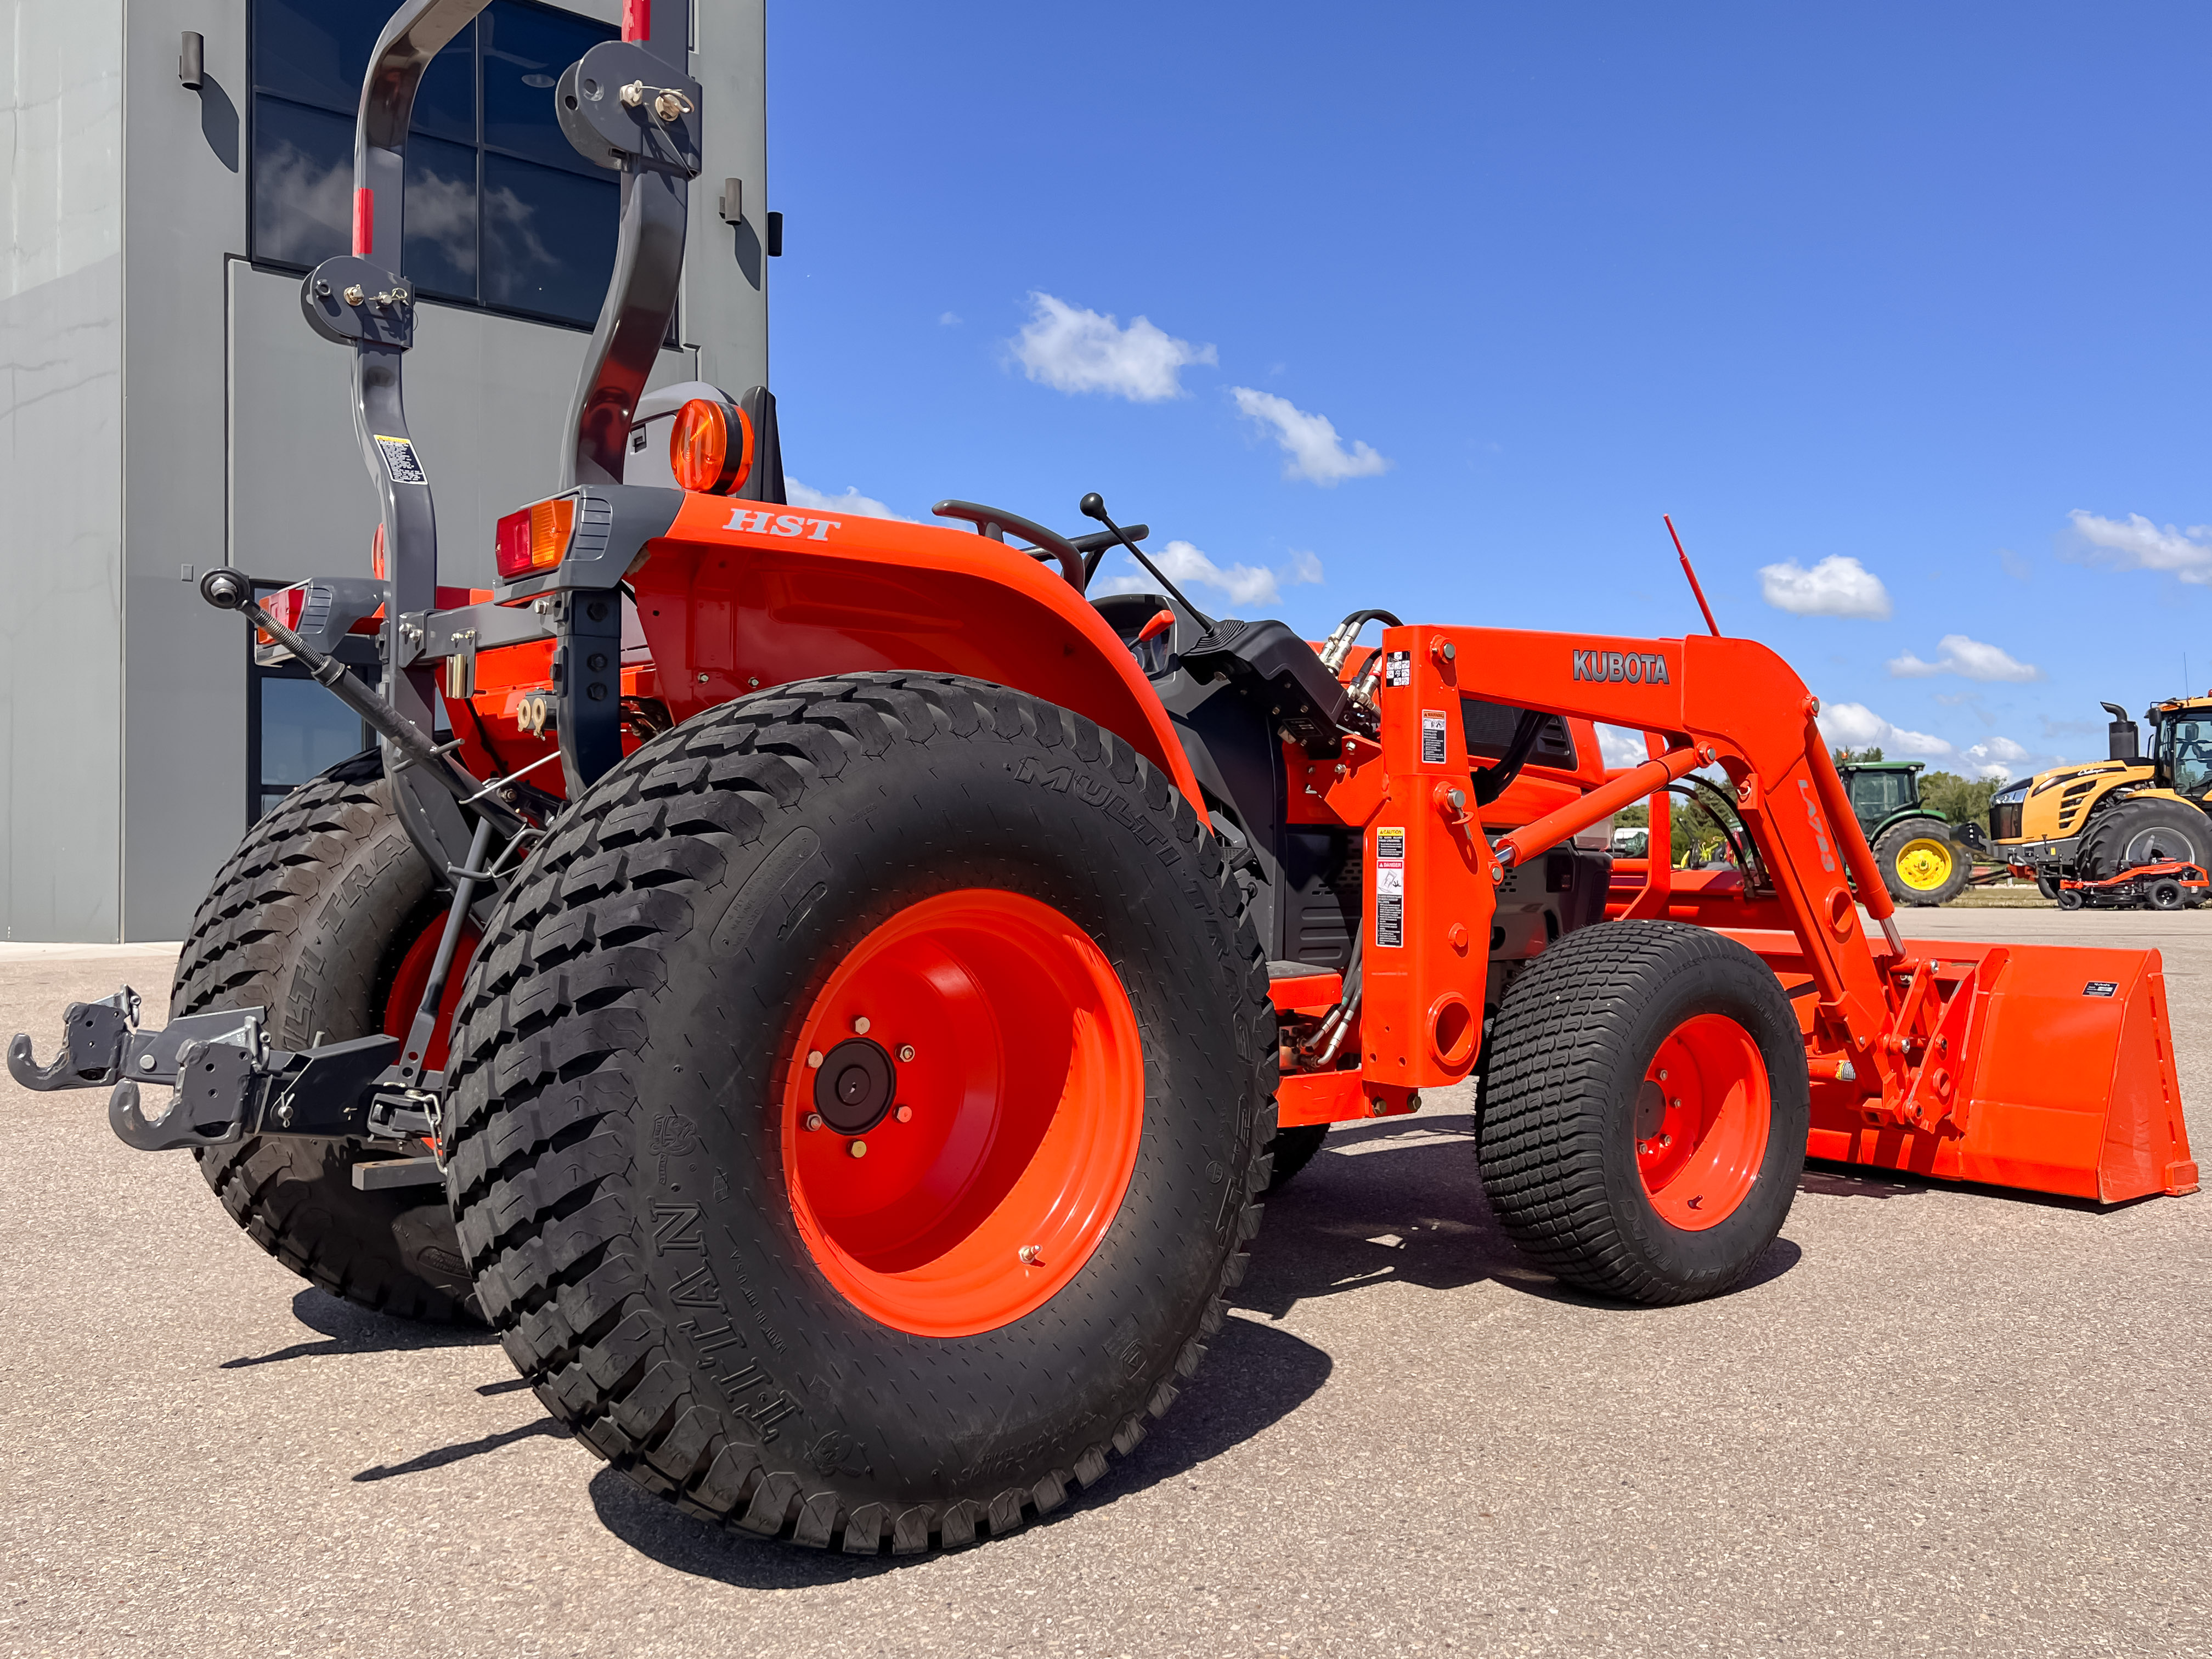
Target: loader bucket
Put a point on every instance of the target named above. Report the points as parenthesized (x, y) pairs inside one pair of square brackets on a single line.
[(2066, 1083)]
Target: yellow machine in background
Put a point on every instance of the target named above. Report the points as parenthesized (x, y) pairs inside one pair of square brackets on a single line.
[(2094, 821)]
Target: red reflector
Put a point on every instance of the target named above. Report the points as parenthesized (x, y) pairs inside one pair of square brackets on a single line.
[(536, 539), (284, 606), (637, 19), (376, 555), (364, 224)]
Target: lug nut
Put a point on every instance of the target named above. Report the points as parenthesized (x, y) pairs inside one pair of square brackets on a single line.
[(813, 1121), (905, 1115), (814, 1058), (1030, 1255), (861, 1026), (906, 1051), (858, 1149)]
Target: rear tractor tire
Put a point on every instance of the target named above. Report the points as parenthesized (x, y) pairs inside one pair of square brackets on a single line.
[(317, 918), (2146, 830), (1643, 1125), (861, 1105), (1921, 865)]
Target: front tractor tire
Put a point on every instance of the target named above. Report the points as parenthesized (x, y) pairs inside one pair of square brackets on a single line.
[(1920, 864), (862, 1104), (1644, 1124), (318, 918)]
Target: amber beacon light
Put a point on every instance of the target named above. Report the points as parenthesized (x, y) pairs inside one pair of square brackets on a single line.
[(710, 448)]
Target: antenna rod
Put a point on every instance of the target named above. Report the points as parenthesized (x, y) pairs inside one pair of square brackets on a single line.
[(1692, 575)]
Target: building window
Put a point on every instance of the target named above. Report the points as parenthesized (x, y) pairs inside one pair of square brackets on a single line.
[(502, 212)]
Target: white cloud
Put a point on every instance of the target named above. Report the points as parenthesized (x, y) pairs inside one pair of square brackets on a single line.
[(948, 320), (1996, 757), (1840, 586), (1310, 440), (1855, 725), (1070, 350), (1968, 659), (1621, 747), (850, 501), (2139, 544), (1244, 584)]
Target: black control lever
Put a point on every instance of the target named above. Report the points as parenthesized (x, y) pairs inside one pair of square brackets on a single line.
[(1093, 506)]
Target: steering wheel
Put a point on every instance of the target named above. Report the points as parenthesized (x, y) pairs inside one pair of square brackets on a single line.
[(996, 522)]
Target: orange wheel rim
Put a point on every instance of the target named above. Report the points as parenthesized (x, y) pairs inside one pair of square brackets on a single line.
[(1702, 1117), (412, 978), (962, 1113)]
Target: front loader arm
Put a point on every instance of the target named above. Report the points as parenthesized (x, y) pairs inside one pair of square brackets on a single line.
[(1706, 701)]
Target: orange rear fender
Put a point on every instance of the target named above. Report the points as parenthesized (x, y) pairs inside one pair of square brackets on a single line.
[(741, 595)]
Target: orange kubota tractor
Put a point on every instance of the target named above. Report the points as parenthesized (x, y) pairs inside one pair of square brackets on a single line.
[(837, 1002)]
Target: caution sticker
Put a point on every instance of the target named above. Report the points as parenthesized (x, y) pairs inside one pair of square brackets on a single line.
[(1432, 737), (400, 462), (1398, 668), (2100, 987), (1390, 888)]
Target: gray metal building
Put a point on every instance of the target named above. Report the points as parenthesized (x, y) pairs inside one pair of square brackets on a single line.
[(166, 407)]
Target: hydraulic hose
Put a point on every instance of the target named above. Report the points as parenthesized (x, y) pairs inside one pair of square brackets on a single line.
[(1337, 646)]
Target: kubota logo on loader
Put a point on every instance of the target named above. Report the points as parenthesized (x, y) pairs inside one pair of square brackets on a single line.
[(1819, 829), (1637, 667)]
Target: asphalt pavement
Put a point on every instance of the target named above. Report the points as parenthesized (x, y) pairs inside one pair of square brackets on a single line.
[(1936, 1421)]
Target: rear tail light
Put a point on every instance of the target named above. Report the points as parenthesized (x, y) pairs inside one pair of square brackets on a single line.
[(710, 446), (536, 539), (284, 606)]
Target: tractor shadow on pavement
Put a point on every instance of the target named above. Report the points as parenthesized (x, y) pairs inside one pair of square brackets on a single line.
[(346, 1329), (1254, 1375), (1403, 1202)]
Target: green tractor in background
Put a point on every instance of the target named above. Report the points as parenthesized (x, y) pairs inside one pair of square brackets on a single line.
[(1911, 841)]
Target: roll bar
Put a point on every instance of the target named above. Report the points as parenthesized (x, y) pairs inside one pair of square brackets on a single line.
[(629, 105)]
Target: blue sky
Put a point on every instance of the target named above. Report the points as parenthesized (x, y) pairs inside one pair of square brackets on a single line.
[(1902, 312)]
